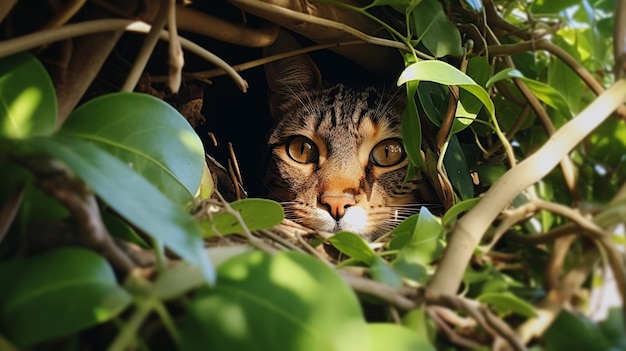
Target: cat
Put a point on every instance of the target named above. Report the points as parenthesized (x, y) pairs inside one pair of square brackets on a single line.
[(336, 157)]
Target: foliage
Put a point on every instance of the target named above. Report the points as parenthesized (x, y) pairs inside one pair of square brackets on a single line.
[(125, 171)]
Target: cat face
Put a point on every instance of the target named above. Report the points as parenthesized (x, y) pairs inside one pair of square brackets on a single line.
[(338, 163), (336, 158)]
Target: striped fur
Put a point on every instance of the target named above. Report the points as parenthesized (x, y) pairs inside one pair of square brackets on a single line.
[(343, 188)]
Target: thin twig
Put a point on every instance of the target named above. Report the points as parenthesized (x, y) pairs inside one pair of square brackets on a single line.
[(327, 24), (67, 11), (59, 182), (176, 59), (254, 241), (549, 308), (9, 208), (30, 41), (147, 47), (566, 163), (5, 8), (471, 227), (261, 61), (198, 50)]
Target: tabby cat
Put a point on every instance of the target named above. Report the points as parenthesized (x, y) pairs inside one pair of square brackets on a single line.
[(337, 162)]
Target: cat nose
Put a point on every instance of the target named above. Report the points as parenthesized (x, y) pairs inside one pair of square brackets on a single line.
[(337, 204)]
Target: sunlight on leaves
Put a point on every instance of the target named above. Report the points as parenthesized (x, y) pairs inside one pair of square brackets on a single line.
[(28, 105), (245, 311), (224, 223)]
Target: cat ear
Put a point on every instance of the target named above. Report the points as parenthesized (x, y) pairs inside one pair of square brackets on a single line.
[(290, 75)]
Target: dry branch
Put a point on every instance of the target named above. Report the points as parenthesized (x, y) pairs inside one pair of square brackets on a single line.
[(471, 228)]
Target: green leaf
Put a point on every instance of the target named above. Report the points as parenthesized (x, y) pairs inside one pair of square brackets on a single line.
[(129, 194), (458, 208), (457, 169), (544, 92), (423, 243), (355, 246), (614, 328), (121, 230), (433, 98), (412, 127), (28, 105), (574, 332), (422, 247), (468, 105), (418, 321), (382, 271), (386, 336), (489, 174), (564, 80), (505, 303), (146, 133), (57, 293), (433, 29), (257, 214), (287, 301), (177, 280), (446, 74)]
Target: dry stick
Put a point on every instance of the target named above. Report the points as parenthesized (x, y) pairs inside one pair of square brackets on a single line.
[(147, 48), (254, 241), (548, 309), (81, 202), (566, 163), (68, 10), (9, 208), (397, 299), (259, 62), (511, 217), (326, 23), (481, 314), (235, 163), (600, 237), (200, 51), (544, 44), (5, 8), (574, 65), (29, 41), (519, 121), (280, 240), (450, 333), (207, 25), (175, 52), (472, 226), (554, 267)]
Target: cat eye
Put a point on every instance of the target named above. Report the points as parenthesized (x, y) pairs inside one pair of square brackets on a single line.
[(302, 150), (387, 153)]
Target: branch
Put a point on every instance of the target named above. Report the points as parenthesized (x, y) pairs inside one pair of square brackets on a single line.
[(470, 229), (549, 308), (5, 8), (148, 46), (9, 208), (29, 41), (58, 182)]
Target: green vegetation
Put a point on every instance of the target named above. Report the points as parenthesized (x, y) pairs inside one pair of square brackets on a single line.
[(529, 162)]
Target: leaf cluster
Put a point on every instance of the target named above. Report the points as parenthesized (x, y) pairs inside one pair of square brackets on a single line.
[(114, 235)]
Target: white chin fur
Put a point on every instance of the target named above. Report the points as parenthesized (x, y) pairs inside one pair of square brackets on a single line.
[(354, 220)]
